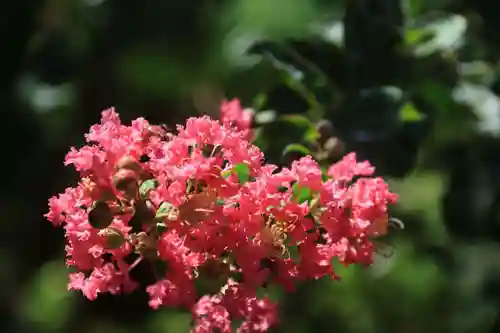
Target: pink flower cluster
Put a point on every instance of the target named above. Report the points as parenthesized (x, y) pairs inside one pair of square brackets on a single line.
[(233, 114), (223, 223)]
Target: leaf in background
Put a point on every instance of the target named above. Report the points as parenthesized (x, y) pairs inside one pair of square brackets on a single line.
[(449, 35), (298, 73), (273, 137), (264, 117), (477, 72), (414, 37), (47, 304), (409, 114), (296, 148), (303, 123), (484, 103)]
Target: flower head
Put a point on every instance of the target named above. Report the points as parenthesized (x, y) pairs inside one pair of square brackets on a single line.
[(205, 207)]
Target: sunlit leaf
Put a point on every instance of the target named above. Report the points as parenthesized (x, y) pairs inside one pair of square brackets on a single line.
[(165, 210), (449, 35), (409, 114), (302, 193), (242, 171), (296, 148), (415, 37), (264, 117), (147, 186)]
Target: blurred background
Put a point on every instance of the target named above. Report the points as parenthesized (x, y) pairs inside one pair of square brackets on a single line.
[(411, 85)]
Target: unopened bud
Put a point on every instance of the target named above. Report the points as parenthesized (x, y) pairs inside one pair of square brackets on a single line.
[(125, 181), (130, 163), (114, 237), (100, 216), (159, 131), (145, 211), (325, 130), (335, 147), (146, 246), (96, 192)]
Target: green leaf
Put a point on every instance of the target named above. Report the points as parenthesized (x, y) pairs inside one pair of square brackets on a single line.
[(414, 37), (302, 193), (164, 210), (296, 148), (259, 101), (242, 171), (46, 303), (308, 128), (324, 173), (147, 186), (448, 36), (161, 227), (409, 114)]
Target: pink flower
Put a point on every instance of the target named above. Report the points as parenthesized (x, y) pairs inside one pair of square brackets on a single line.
[(209, 314), (206, 206), (232, 113), (348, 168)]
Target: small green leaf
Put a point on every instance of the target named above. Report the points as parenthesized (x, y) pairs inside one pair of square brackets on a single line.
[(302, 193), (294, 253), (242, 171), (161, 227), (297, 120), (409, 114), (259, 101), (146, 187), (164, 210), (296, 148), (227, 173), (417, 36), (324, 173)]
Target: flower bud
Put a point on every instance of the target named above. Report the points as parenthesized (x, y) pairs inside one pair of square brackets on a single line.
[(325, 130), (145, 211), (114, 237), (125, 181), (147, 246), (100, 216), (334, 147), (130, 163)]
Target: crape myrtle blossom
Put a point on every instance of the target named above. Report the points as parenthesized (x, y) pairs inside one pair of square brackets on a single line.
[(223, 224)]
